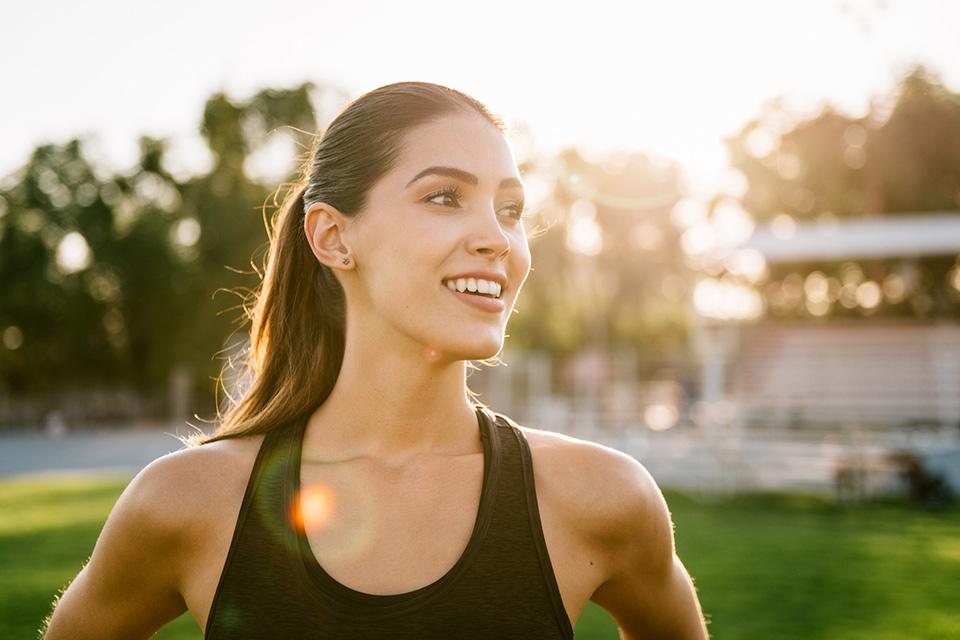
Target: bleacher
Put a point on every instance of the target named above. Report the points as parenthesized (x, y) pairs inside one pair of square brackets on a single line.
[(877, 374)]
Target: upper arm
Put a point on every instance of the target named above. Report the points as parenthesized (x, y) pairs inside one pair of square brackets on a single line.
[(130, 586), (648, 591)]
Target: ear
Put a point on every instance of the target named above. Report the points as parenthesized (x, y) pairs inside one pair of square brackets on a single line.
[(324, 227)]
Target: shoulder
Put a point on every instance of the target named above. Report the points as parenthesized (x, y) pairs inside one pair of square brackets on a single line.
[(134, 580), (621, 516), (177, 494), (606, 495)]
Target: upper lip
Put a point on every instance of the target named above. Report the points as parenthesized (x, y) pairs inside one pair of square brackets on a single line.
[(486, 275)]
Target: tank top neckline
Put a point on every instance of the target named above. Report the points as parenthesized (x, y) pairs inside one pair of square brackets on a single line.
[(327, 587)]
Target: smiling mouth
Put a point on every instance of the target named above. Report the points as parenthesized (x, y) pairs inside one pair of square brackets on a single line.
[(475, 287)]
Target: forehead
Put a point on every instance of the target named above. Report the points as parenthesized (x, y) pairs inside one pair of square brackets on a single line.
[(463, 140)]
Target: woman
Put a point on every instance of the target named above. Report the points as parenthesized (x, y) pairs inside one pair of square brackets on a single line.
[(356, 490)]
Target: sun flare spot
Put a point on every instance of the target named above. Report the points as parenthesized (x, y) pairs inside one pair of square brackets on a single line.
[(313, 507)]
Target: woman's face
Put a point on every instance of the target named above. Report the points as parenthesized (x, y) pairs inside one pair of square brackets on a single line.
[(450, 205)]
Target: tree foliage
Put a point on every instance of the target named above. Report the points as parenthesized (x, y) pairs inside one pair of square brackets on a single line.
[(116, 279), (901, 158), (607, 273)]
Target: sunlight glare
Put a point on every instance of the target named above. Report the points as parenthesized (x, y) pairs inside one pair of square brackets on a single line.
[(734, 183), (783, 226), (732, 223), (848, 295), (661, 417), (687, 213), (187, 232), (314, 507), (73, 253), (12, 337), (818, 307), (584, 235), (698, 240), (868, 294), (789, 166), (815, 286), (894, 288), (761, 142), (748, 263), (274, 159), (954, 277), (726, 300)]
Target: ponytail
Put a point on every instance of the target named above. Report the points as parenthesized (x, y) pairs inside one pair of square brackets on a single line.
[(297, 335)]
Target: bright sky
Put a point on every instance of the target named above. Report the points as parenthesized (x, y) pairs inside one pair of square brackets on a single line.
[(671, 77)]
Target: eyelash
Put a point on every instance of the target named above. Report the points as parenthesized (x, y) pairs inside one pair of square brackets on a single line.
[(457, 195)]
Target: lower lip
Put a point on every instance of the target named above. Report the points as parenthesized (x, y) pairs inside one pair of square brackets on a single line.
[(492, 305)]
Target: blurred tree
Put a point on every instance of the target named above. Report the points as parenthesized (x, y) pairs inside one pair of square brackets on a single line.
[(607, 273), (901, 158), (917, 149), (110, 279), (91, 281), (152, 307), (54, 222), (227, 209)]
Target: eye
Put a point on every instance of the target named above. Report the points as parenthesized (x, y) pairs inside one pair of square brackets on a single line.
[(515, 210), (445, 197)]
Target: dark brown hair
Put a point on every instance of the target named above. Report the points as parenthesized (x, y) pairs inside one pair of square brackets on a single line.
[(297, 315)]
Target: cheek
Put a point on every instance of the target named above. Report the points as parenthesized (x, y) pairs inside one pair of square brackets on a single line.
[(401, 277), (521, 257)]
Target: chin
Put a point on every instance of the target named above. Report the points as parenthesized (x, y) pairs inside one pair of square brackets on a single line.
[(450, 337), (479, 350), (454, 350), (480, 355)]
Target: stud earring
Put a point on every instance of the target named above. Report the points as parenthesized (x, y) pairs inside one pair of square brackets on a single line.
[(346, 261)]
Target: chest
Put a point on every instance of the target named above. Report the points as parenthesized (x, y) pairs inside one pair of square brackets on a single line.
[(382, 531)]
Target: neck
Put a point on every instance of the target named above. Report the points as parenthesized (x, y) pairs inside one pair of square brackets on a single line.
[(394, 405)]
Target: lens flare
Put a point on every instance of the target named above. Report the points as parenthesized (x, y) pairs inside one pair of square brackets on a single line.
[(313, 507)]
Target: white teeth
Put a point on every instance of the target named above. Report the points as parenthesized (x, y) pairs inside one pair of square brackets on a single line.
[(476, 285)]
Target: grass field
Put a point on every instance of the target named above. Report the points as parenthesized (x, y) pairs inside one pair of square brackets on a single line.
[(766, 566)]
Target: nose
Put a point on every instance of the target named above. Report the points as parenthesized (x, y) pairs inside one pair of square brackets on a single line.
[(488, 236)]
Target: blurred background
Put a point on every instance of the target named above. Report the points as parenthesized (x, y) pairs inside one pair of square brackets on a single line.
[(745, 227)]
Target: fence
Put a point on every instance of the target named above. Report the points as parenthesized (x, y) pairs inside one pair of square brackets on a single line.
[(686, 443)]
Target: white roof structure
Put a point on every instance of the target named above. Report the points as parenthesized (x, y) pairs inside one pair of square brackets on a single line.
[(887, 236)]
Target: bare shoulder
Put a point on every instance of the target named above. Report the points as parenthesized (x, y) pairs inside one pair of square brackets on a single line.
[(146, 554), (177, 506), (620, 516), (187, 486), (601, 491)]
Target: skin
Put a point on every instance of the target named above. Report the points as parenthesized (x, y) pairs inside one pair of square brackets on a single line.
[(397, 439)]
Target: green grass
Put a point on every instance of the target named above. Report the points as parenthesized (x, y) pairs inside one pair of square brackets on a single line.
[(765, 566), (793, 566)]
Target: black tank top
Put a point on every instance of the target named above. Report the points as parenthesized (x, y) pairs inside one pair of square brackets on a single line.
[(502, 586)]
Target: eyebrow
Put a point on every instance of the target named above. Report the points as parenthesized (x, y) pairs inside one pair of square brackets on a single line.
[(463, 176)]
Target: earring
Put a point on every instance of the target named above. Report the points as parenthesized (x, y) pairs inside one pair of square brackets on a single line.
[(346, 261)]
